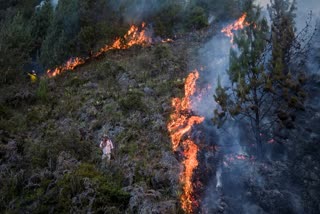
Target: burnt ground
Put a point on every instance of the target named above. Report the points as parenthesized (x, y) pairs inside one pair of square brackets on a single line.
[(287, 181)]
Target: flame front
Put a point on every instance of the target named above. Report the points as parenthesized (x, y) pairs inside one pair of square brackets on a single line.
[(180, 125), (190, 163), (237, 25), (134, 36), (71, 64)]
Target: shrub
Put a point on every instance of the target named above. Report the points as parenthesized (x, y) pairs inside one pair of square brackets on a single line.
[(107, 190), (168, 20), (133, 101), (5, 112), (197, 18), (42, 91), (162, 52)]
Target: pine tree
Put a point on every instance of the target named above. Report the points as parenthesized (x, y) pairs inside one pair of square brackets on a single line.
[(40, 23), (265, 91), (283, 33), (248, 76), (15, 46), (287, 78), (60, 42)]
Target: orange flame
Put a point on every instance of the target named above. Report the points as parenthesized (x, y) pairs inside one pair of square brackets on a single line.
[(167, 40), (71, 64), (237, 25), (190, 163), (134, 36), (180, 124)]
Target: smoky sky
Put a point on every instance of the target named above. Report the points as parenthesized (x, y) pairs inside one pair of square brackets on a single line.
[(304, 7), (135, 11)]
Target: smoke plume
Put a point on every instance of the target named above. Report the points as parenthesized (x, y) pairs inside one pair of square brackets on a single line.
[(139, 10), (244, 173)]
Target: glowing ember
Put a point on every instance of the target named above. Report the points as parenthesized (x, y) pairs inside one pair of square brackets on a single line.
[(167, 40), (180, 125), (135, 36), (237, 25), (271, 141), (241, 157), (237, 158)]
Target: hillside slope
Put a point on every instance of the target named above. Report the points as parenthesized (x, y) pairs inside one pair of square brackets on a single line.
[(50, 131)]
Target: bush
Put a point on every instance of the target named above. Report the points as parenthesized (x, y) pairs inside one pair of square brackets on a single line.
[(168, 20), (197, 18), (107, 190), (133, 101), (42, 91), (162, 52), (5, 112), (109, 71)]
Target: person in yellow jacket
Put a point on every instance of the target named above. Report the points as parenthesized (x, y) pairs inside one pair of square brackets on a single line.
[(33, 76)]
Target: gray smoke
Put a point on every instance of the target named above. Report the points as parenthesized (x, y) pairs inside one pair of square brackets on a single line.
[(313, 63), (137, 11), (214, 56), (54, 2), (304, 7)]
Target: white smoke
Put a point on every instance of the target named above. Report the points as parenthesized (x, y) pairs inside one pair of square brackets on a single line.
[(214, 55), (39, 6), (54, 3), (218, 177), (137, 11), (304, 7), (263, 3)]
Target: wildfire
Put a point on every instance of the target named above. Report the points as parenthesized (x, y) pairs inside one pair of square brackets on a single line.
[(167, 40), (71, 64), (135, 36), (190, 163), (237, 25), (180, 125)]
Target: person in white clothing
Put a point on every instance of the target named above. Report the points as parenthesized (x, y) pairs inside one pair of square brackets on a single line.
[(106, 145)]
